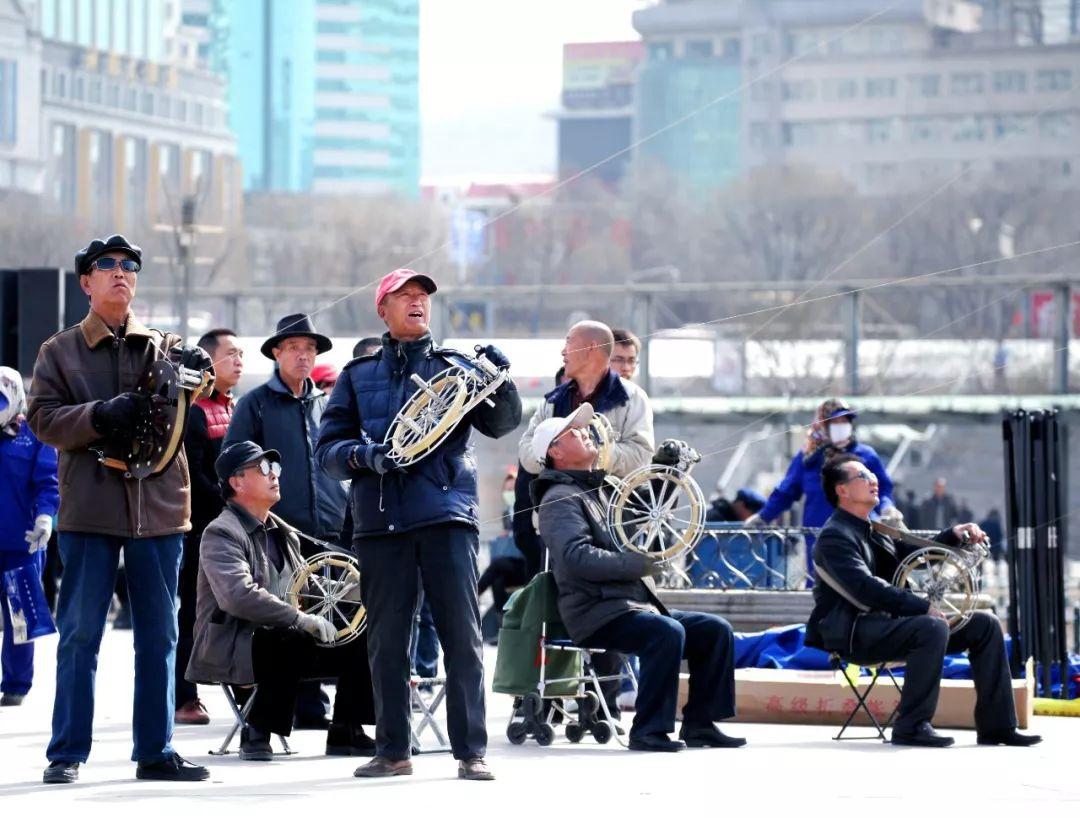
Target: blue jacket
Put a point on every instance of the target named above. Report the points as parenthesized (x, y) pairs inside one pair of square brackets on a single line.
[(273, 417), (28, 486), (803, 479), (440, 488)]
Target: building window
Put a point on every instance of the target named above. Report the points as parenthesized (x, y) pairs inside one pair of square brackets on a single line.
[(9, 101), (880, 87), (760, 44), (131, 99), (78, 89), (164, 106), (798, 134), (95, 91), (59, 85), (970, 129), (113, 98), (180, 111), (797, 90), (925, 85), (1053, 80), (761, 91), (836, 89), (1010, 82), (660, 51), (759, 134), (699, 49), (197, 114), (926, 129), (732, 48), (966, 84), (148, 103), (880, 131), (1057, 125), (1007, 126)]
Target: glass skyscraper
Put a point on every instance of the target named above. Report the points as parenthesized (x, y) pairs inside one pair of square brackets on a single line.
[(325, 94)]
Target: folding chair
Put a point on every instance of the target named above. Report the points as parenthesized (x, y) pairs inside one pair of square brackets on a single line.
[(861, 699), (240, 721), (427, 709)]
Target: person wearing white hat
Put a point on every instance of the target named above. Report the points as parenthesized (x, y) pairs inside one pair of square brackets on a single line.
[(607, 598)]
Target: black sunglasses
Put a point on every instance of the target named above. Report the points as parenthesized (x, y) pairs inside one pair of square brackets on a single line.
[(126, 264), (266, 467)]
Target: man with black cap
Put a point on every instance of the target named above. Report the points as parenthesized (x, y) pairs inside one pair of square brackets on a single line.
[(82, 400), (284, 414), (422, 520), (245, 633)]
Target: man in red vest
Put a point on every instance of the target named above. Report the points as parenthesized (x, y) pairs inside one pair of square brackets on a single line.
[(209, 421)]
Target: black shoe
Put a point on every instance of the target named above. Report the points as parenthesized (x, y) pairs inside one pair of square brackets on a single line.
[(346, 740), (707, 735), (1010, 738), (12, 699), (924, 735), (173, 768), (311, 723), (656, 743), (122, 620), (61, 772), (255, 745)]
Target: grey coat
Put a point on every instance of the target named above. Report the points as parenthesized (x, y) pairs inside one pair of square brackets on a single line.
[(234, 573), (597, 582)]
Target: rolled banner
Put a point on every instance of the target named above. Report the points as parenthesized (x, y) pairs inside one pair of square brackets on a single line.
[(30, 617)]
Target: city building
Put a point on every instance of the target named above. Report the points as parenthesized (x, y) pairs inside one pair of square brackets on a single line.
[(96, 120), (324, 94), (596, 118), (905, 95)]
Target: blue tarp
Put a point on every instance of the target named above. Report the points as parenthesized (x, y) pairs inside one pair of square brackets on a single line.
[(783, 649)]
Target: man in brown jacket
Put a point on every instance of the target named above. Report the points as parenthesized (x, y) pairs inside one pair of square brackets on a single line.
[(82, 400)]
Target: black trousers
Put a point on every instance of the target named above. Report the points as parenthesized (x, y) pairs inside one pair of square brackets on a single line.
[(186, 591), (661, 643), (502, 573), (443, 559), (283, 657), (921, 642)]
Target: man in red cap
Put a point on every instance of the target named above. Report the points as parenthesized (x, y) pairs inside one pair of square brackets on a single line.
[(415, 526), (325, 376)]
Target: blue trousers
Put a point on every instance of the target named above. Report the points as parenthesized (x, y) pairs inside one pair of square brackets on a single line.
[(661, 643), (424, 641), (16, 661), (90, 562), (441, 559)]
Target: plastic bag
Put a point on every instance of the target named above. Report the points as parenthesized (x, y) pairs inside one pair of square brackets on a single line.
[(30, 617)]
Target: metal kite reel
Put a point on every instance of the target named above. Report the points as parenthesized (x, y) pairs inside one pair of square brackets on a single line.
[(658, 510), (439, 405), (327, 584), (948, 577)]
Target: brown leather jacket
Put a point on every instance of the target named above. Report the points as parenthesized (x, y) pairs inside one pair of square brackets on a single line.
[(76, 369)]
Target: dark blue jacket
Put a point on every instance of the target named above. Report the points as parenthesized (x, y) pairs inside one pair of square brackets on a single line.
[(803, 479), (440, 488), (28, 486), (270, 415)]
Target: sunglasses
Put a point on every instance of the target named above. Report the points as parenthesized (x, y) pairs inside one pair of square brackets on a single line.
[(266, 468), (126, 264), (864, 475)]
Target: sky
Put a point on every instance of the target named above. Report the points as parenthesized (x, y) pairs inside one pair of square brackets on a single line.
[(489, 72)]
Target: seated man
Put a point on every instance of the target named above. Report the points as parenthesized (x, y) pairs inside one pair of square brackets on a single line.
[(859, 614), (607, 598), (245, 633)]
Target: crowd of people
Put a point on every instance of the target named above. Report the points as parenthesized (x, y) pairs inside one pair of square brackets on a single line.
[(209, 542)]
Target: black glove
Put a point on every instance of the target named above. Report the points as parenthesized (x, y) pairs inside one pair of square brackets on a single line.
[(195, 358), (116, 417), (495, 355), (374, 456)]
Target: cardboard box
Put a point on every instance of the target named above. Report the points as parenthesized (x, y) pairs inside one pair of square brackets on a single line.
[(823, 697)]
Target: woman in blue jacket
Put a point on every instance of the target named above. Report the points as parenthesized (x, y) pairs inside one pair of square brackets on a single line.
[(29, 499), (832, 432)]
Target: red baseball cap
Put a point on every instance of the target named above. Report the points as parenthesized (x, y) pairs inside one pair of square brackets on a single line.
[(324, 372), (392, 282)]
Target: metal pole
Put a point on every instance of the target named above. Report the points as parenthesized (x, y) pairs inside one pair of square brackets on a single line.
[(851, 350), (645, 364), (1061, 340), (186, 240)]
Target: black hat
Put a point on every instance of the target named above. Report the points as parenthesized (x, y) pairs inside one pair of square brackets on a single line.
[(85, 258), (237, 455), (297, 325)]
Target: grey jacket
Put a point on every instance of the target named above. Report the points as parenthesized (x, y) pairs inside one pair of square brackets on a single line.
[(234, 573), (597, 582)]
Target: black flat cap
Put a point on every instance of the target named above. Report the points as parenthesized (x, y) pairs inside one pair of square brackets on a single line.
[(85, 258), (237, 455)]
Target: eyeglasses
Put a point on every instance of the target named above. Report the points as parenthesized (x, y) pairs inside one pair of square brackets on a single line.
[(126, 264), (618, 360), (266, 467), (869, 477)]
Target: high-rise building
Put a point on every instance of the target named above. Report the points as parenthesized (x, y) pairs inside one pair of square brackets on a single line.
[(324, 93), (902, 95), (96, 119)]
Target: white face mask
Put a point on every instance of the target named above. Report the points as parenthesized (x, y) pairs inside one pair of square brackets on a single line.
[(508, 498), (839, 432)]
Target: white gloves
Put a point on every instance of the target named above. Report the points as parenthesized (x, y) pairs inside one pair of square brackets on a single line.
[(39, 537), (318, 627), (753, 521)]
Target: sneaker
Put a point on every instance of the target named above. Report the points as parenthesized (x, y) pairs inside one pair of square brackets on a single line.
[(61, 772), (173, 768), (255, 745), (474, 769), (192, 712), (12, 699)]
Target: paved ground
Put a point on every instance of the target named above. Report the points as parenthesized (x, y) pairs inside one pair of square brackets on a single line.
[(797, 769)]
